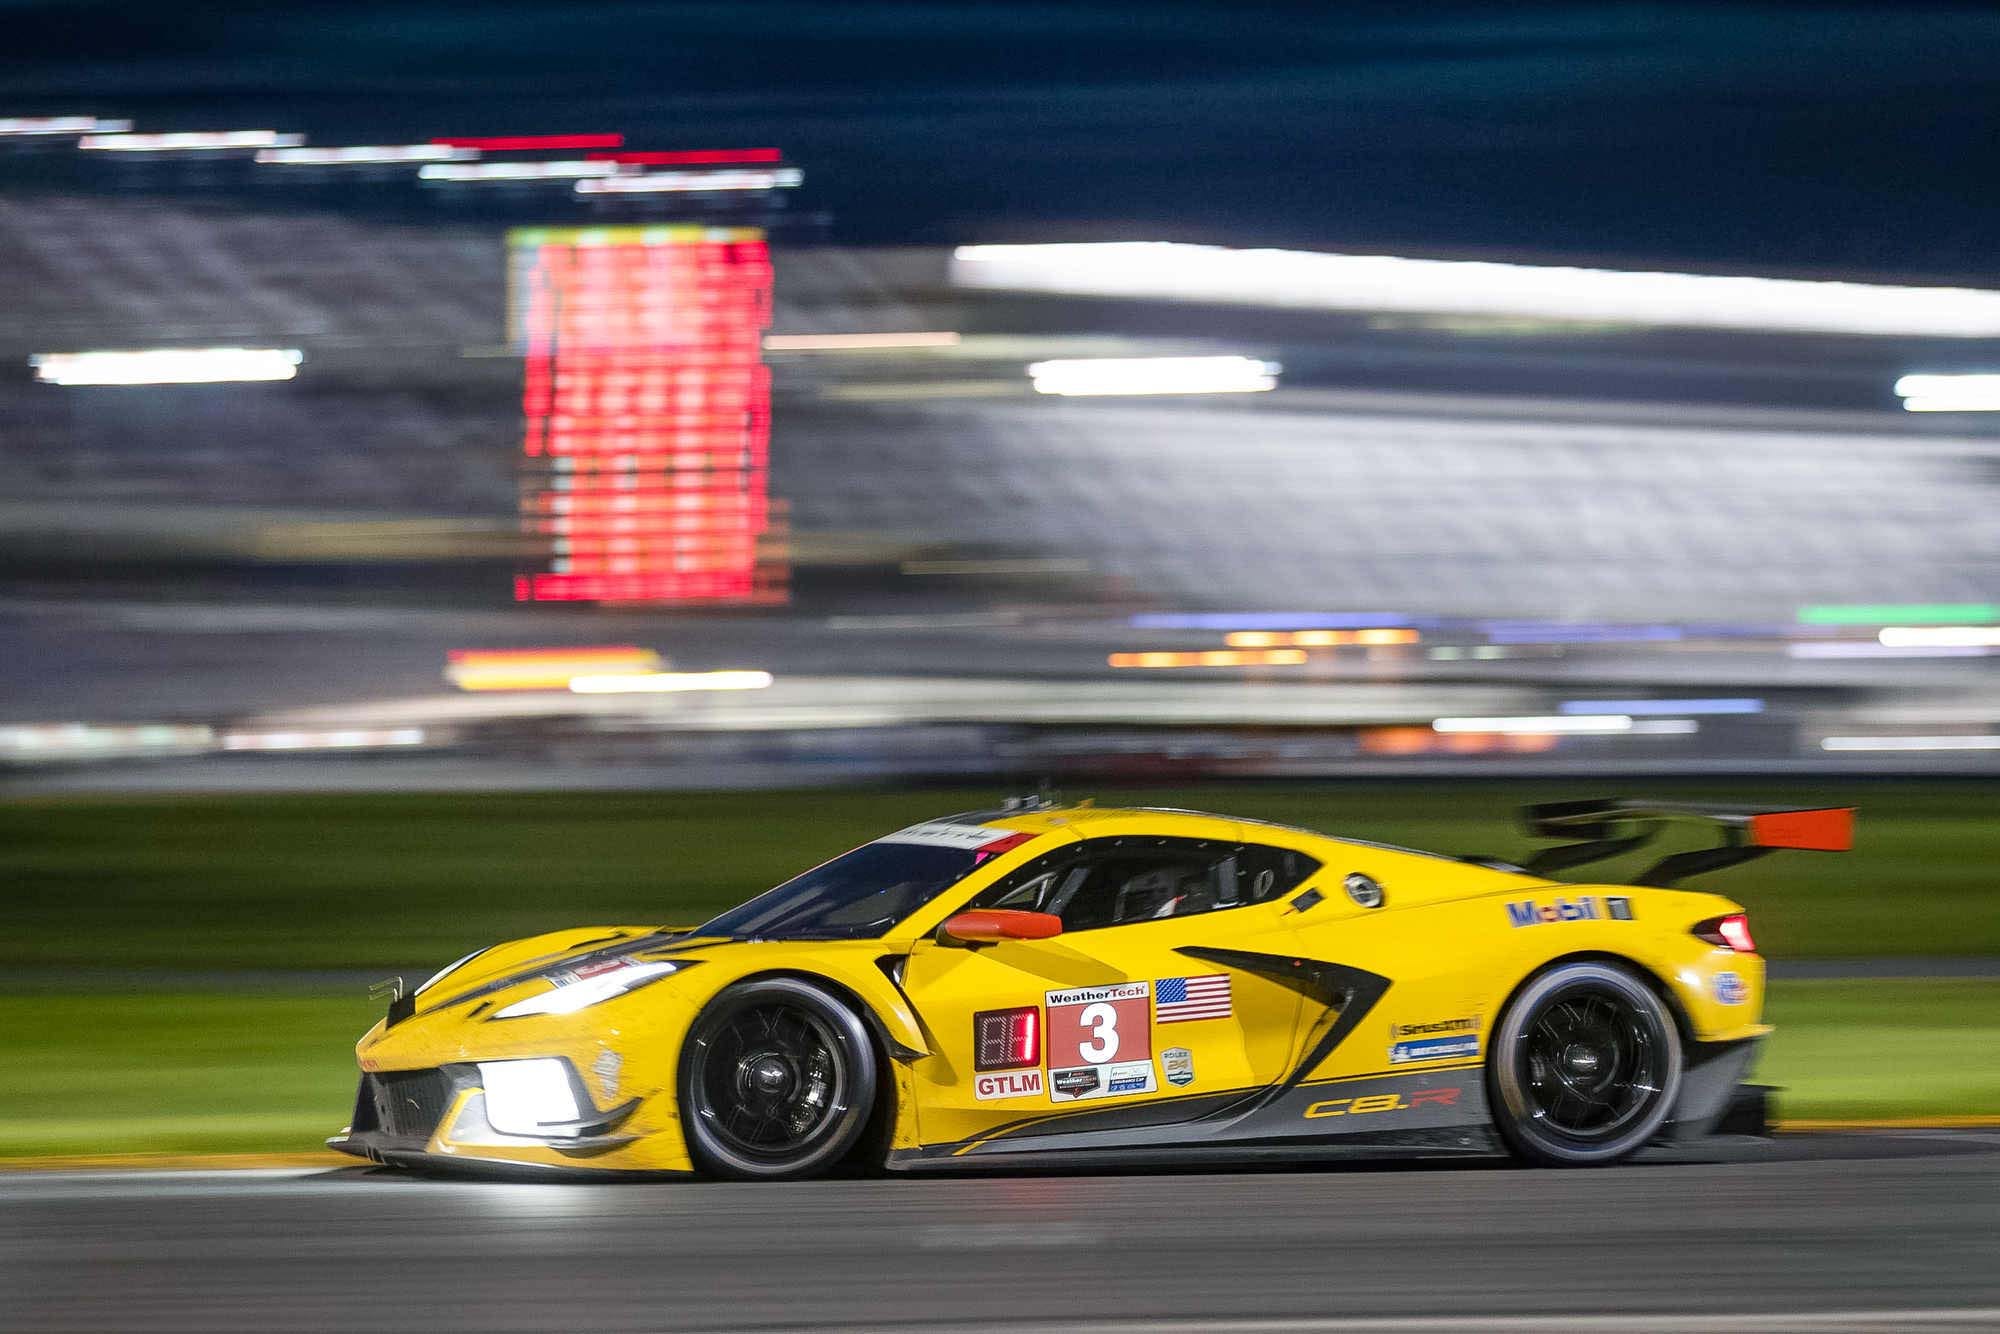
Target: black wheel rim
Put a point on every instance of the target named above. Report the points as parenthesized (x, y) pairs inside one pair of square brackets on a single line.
[(771, 1080), (1591, 1063)]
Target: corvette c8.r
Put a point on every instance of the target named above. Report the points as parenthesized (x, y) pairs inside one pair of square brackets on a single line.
[(1056, 984)]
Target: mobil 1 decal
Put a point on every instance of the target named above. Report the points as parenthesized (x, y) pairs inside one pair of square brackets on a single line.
[(1100, 1041)]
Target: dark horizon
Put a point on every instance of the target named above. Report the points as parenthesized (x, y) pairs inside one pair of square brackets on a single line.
[(1825, 137)]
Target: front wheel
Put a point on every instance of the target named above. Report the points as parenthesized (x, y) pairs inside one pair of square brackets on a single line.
[(1585, 1066), (777, 1081)]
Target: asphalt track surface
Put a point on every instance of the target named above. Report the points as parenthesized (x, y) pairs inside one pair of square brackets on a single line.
[(1887, 1231)]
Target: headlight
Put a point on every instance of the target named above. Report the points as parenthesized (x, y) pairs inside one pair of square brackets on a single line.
[(579, 990), (527, 1097)]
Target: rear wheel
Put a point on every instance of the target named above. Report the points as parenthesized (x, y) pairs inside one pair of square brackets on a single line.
[(777, 1081), (1585, 1066)]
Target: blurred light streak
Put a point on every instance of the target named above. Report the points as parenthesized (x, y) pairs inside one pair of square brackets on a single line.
[(1165, 270), (1271, 620), (33, 126), (1940, 636), (1868, 648), (185, 365), (1020, 565), (191, 142), (1563, 632), (1949, 393), (692, 182), (1578, 723), (693, 157), (543, 668), (346, 738), (1870, 743), (654, 683), (1319, 638), (1423, 741), (1898, 613), (1098, 376), (1211, 658), (42, 743), (364, 154), (475, 172), (1665, 727), (520, 143), (1638, 707), (856, 342)]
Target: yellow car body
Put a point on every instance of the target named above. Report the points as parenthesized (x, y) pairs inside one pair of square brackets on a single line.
[(1353, 1008)]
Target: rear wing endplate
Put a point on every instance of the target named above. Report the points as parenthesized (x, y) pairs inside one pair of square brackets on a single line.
[(1611, 827)]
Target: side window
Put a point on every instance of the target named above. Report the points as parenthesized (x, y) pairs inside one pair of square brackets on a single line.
[(1263, 873), (1114, 881)]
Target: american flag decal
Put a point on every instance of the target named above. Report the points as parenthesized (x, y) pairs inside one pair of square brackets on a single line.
[(1177, 999)]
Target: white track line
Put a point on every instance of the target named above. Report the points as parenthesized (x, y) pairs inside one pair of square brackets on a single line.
[(1807, 1322)]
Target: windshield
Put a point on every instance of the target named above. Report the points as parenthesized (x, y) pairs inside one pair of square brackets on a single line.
[(857, 895)]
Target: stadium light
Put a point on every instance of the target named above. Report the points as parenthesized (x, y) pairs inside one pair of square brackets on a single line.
[(1940, 636), (188, 365), (857, 342), (1575, 722), (1095, 376), (53, 126), (659, 683), (363, 155), (193, 142), (1312, 280), (693, 182), (474, 172), (1949, 393), (1880, 743)]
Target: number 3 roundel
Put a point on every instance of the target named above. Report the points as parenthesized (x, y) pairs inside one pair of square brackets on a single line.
[(1099, 1025)]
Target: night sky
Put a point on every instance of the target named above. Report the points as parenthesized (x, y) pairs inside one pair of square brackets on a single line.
[(1809, 137)]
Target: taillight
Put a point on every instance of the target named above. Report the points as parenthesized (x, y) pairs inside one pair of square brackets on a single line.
[(1730, 933), (1007, 1039)]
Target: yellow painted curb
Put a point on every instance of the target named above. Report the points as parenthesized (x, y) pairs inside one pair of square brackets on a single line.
[(175, 1162), (1896, 1123)]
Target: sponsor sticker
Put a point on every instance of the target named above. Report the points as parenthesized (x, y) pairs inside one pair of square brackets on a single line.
[(945, 834), (1469, 1024), (1177, 1064), (607, 1067), (1134, 1078), (1582, 908), (1099, 1025), (1434, 1049), (1011, 1084), (1730, 989), (1101, 1081), (1065, 1085)]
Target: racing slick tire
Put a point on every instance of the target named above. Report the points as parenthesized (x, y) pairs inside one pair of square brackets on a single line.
[(1585, 1066), (777, 1081)]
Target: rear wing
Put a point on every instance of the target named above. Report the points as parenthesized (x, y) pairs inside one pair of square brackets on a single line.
[(1608, 828)]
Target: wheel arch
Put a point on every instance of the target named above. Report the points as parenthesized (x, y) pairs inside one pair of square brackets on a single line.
[(888, 1052), (1658, 985)]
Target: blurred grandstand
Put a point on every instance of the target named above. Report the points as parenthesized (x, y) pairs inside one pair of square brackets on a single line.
[(1715, 535)]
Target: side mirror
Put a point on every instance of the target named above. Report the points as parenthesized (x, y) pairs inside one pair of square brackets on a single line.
[(985, 926)]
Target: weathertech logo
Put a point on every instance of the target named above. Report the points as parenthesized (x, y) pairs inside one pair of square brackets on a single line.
[(1382, 1102)]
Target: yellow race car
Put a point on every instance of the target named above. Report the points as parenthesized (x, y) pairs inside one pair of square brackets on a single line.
[(1048, 983)]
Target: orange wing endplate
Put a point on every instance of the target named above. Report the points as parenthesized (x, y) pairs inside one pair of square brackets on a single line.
[(1827, 830)]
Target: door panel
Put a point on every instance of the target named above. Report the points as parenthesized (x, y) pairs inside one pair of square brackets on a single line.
[(1123, 1018)]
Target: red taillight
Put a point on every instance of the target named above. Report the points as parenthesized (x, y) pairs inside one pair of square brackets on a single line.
[(1007, 1039), (1730, 933)]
